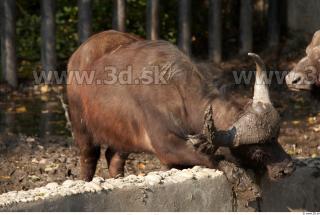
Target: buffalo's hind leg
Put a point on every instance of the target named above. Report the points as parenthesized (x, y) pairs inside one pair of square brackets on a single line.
[(116, 161), (89, 156), (89, 152)]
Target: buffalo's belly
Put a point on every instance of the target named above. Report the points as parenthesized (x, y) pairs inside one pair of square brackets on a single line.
[(119, 125)]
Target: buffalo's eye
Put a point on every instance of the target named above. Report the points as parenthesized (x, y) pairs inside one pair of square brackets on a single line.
[(260, 155)]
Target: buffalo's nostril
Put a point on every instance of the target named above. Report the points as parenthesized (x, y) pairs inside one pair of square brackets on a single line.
[(297, 80), (281, 170)]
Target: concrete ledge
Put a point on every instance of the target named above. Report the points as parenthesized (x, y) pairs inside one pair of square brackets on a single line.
[(196, 189)]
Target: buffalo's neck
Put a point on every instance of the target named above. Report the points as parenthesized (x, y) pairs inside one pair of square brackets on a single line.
[(196, 100), (225, 111), (196, 111)]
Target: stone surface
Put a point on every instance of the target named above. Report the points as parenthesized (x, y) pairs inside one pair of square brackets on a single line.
[(196, 189)]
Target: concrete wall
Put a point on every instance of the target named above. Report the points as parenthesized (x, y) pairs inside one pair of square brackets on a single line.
[(303, 15), (196, 189)]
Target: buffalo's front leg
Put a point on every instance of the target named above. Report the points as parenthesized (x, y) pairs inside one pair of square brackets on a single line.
[(179, 155), (116, 162)]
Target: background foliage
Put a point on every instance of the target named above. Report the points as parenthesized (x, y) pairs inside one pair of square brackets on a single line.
[(29, 40)]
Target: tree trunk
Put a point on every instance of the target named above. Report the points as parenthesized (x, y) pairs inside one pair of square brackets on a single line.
[(184, 41), (119, 15), (1, 43), (46, 118), (215, 38), (273, 23), (48, 42), (9, 122), (153, 19), (8, 42), (283, 17), (245, 26), (84, 20)]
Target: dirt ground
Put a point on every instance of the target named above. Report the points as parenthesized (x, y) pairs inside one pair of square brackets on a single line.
[(36, 148), (35, 162)]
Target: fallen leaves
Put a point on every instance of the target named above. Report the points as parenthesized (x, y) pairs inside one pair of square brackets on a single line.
[(44, 98), (312, 120), (296, 122), (51, 167), (314, 155), (141, 166), (30, 139), (43, 161), (316, 128), (21, 109), (4, 177), (34, 160), (44, 88), (33, 178)]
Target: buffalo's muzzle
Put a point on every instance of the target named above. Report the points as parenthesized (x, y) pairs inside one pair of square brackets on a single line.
[(280, 170)]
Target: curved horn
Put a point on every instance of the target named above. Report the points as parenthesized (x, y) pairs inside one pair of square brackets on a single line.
[(261, 90), (260, 121)]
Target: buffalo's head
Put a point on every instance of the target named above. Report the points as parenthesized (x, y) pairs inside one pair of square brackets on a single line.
[(260, 122), (253, 137), (306, 74)]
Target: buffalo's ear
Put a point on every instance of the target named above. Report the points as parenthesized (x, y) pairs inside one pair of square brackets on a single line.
[(314, 55), (315, 42)]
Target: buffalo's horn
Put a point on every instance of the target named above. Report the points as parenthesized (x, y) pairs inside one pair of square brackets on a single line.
[(261, 90), (260, 121)]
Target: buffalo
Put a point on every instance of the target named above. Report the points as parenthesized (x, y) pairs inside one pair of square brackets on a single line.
[(147, 96), (306, 74)]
